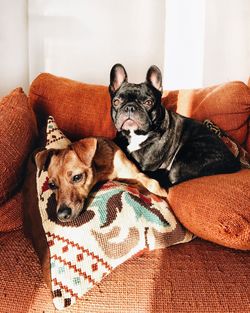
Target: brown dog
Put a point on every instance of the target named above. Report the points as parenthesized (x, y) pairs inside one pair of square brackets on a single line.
[(75, 170)]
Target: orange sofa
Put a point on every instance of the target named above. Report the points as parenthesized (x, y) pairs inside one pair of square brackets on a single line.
[(206, 275)]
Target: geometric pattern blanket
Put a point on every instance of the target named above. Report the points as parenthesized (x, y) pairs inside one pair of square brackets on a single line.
[(120, 222)]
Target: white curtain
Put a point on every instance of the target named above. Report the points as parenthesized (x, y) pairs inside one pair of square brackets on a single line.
[(196, 43)]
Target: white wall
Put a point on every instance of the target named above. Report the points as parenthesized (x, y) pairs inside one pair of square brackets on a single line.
[(207, 42), (195, 42), (184, 43), (13, 45), (227, 41), (82, 39)]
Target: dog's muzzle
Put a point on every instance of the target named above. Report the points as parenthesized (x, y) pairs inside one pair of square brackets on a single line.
[(67, 213), (64, 213), (131, 117), (129, 109)]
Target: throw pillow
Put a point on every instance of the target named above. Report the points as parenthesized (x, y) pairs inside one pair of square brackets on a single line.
[(119, 223), (227, 105), (215, 208), (76, 106)]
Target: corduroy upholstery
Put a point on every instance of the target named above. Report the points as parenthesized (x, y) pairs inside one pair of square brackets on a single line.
[(194, 277)]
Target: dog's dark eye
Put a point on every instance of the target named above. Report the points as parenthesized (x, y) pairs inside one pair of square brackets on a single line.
[(116, 101), (77, 178), (52, 186), (148, 102)]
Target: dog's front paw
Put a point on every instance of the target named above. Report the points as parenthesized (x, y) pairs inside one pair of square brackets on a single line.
[(152, 185), (156, 188)]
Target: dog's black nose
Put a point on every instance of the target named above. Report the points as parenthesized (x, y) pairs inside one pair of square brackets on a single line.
[(64, 213), (129, 108)]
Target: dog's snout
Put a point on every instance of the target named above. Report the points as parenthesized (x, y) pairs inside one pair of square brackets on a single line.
[(64, 213), (129, 108)]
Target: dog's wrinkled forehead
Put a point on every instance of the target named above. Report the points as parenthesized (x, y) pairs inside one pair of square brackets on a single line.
[(132, 92)]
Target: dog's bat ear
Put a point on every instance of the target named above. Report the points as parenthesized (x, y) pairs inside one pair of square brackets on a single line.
[(85, 150), (118, 76), (43, 158), (154, 77)]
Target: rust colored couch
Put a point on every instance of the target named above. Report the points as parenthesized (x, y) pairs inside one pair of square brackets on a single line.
[(200, 276)]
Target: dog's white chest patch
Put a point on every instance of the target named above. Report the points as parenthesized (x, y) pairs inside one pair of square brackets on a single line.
[(135, 141)]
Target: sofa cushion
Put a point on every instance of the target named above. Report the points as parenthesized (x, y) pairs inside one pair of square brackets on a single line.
[(18, 131), (248, 138), (197, 277), (119, 222), (227, 105), (80, 109), (11, 212), (215, 208), (84, 110)]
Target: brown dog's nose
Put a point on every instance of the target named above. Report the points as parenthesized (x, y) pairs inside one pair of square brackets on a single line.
[(64, 213)]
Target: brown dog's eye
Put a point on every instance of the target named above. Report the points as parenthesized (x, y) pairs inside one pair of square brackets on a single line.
[(77, 178), (116, 101), (52, 186)]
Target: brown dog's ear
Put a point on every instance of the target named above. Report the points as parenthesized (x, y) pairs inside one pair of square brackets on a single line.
[(85, 150), (154, 77), (43, 158)]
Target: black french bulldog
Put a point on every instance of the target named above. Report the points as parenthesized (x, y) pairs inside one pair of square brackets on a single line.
[(167, 146)]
